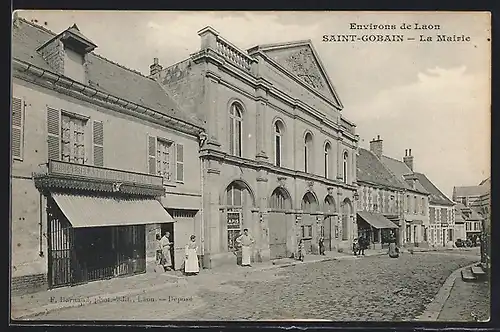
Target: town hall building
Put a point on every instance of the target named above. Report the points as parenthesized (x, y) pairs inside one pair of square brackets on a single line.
[(279, 157)]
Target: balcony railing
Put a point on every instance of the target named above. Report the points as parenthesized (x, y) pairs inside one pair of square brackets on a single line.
[(100, 173), (233, 54)]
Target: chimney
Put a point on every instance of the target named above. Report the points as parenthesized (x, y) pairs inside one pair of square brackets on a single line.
[(155, 68), (408, 159), (376, 146)]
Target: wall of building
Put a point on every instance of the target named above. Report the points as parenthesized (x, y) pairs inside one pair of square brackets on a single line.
[(441, 221), (125, 148)]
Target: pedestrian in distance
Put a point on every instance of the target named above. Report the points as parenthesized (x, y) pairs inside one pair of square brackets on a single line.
[(362, 245), (355, 247), (321, 245), (191, 265), (165, 247), (245, 241), (393, 249), (301, 250)]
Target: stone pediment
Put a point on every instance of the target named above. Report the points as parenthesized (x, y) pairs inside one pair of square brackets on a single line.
[(300, 59)]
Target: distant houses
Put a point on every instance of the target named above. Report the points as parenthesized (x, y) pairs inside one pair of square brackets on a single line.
[(391, 194)]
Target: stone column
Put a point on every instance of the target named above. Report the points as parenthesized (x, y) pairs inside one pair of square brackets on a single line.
[(211, 213)]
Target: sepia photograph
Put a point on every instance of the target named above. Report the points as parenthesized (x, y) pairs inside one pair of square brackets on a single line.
[(194, 166)]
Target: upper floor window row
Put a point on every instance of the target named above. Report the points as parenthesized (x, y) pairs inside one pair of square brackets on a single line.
[(278, 142)]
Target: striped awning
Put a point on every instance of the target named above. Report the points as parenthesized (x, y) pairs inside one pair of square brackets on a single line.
[(93, 211), (377, 220)]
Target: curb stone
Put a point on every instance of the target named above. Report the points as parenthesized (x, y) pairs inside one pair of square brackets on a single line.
[(433, 309)]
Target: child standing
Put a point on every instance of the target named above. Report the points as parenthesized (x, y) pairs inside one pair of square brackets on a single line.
[(301, 250)]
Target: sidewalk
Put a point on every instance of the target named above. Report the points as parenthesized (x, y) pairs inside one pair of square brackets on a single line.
[(106, 290), (31, 305)]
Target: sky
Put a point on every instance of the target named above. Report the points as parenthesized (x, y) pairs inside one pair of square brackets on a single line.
[(431, 97)]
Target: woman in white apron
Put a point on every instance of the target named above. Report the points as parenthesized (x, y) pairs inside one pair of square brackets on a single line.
[(191, 265)]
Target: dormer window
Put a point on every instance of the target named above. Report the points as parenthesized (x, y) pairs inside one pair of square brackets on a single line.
[(66, 52)]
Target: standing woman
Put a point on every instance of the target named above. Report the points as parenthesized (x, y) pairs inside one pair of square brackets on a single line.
[(393, 249), (191, 265), (165, 247)]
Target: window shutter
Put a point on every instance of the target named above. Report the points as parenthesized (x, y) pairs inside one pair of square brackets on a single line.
[(98, 143), (152, 154), (17, 127), (179, 171), (53, 132)]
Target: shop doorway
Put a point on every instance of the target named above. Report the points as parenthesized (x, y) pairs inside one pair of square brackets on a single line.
[(80, 255), (169, 227)]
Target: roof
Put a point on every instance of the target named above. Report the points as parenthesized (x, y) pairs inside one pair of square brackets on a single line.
[(103, 74), (371, 170), (436, 195), (467, 191), (274, 51), (399, 169)]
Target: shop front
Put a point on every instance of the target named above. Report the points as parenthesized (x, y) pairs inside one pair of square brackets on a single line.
[(376, 227), (96, 221)]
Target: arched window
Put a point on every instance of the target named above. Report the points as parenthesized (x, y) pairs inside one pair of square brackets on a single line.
[(307, 152), (345, 157), (235, 131), (278, 142), (328, 149)]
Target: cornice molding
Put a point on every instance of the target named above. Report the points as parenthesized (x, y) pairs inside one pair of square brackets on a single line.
[(220, 156)]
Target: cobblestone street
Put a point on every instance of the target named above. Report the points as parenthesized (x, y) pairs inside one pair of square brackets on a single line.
[(368, 288)]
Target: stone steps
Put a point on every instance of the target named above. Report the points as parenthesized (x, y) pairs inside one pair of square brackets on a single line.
[(473, 273)]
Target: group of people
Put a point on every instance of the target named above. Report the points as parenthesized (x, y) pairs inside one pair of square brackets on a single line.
[(164, 255), (359, 245)]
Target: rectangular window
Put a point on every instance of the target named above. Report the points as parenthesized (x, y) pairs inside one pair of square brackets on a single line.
[(238, 138), (164, 159), (306, 168), (415, 204), (444, 215), (17, 128), (407, 203), (306, 231), (179, 171), (73, 138), (450, 234), (278, 150), (432, 215)]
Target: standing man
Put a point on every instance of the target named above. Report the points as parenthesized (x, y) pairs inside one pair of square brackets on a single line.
[(362, 245), (246, 241)]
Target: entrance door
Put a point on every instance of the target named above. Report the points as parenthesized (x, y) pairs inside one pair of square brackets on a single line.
[(307, 222), (327, 232), (277, 235), (182, 230), (60, 242)]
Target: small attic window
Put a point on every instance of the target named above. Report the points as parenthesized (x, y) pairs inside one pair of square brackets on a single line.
[(74, 65)]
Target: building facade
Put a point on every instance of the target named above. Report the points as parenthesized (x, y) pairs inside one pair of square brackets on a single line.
[(415, 201), (102, 161), (441, 215), (279, 157), (380, 205)]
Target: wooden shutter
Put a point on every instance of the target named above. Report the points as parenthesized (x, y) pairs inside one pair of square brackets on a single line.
[(152, 154), (179, 170), (17, 128), (98, 143), (54, 133)]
